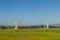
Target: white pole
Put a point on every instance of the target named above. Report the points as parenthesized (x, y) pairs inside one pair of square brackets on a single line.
[(16, 25), (47, 25)]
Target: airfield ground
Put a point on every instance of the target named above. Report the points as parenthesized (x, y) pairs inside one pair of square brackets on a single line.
[(30, 34)]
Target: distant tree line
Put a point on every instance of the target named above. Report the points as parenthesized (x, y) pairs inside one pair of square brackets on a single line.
[(27, 27)]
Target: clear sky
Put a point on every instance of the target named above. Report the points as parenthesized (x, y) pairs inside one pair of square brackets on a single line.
[(29, 12)]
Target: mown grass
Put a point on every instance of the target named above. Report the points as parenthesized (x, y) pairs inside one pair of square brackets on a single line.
[(30, 34)]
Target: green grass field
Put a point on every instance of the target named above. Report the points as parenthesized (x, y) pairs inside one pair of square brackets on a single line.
[(30, 34)]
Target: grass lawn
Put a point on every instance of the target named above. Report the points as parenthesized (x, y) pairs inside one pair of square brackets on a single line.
[(30, 34)]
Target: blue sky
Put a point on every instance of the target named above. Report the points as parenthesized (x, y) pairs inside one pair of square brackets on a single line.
[(29, 12)]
